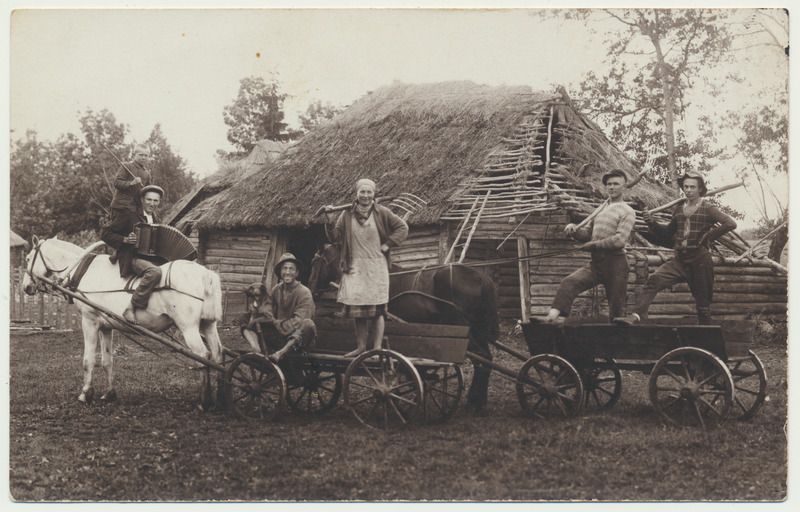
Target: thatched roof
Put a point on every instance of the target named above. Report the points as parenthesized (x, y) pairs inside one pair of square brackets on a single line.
[(229, 173), (442, 142), (16, 240)]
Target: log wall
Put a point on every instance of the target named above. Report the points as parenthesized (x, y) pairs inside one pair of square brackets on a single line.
[(739, 290), (238, 257)]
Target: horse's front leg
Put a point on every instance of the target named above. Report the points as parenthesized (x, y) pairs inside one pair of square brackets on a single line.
[(107, 360), (90, 332)]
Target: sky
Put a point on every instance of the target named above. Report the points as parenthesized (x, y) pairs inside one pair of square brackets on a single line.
[(181, 67)]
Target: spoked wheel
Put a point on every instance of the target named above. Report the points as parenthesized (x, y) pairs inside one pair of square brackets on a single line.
[(313, 391), (444, 386), (602, 380), (255, 387), (383, 389), (750, 386), (548, 386), (691, 387)]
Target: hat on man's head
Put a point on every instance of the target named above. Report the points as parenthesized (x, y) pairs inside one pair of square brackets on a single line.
[(287, 256), (696, 175), (615, 172), (152, 188), (141, 148)]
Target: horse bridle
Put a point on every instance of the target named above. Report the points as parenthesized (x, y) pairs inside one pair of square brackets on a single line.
[(49, 271)]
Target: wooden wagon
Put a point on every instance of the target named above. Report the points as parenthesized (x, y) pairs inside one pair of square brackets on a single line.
[(699, 374), (416, 373)]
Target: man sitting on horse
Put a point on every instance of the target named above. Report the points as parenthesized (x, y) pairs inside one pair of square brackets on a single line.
[(120, 235), (284, 317)]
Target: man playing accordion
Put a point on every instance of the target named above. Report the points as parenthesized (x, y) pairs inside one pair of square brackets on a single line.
[(120, 235)]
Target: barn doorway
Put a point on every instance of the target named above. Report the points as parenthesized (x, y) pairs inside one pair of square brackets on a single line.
[(303, 243)]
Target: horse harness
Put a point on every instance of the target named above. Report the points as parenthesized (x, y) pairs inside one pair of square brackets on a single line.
[(83, 266)]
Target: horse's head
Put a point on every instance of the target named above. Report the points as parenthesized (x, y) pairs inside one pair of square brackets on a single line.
[(47, 260), (324, 269)]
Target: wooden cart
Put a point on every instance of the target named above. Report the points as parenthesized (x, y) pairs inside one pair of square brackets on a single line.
[(417, 373), (698, 373)]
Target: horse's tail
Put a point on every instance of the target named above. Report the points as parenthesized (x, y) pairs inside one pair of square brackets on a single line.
[(212, 297)]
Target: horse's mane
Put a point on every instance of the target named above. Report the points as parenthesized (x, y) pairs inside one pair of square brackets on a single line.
[(67, 246)]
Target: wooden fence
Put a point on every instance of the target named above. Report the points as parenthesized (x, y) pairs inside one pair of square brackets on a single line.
[(40, 310)]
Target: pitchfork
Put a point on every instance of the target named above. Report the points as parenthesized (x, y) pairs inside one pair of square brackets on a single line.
[(407, 202)]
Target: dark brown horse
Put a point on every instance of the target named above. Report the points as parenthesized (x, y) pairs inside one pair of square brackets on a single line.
[(469, 290)]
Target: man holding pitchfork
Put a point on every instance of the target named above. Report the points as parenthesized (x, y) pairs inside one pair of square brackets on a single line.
[(605, 236)]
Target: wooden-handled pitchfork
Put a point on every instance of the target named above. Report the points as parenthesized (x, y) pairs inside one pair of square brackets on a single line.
[(407, 202)]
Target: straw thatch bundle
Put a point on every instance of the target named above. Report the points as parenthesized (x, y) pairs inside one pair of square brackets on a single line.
[(431, 140)]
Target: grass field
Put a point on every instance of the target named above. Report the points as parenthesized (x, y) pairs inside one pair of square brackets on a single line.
[(154, 444)]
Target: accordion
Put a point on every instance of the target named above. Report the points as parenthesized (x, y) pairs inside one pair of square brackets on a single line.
[(164, 242)]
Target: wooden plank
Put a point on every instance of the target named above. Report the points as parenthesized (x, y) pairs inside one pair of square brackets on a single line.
[(641, 342)]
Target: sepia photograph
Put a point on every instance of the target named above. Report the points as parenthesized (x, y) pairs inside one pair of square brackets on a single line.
[(416, 254)]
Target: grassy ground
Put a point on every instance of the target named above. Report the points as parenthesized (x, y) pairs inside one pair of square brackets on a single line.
[(154, 443)]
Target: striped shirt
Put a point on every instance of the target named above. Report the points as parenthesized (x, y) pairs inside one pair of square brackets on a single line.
[(611, 228)]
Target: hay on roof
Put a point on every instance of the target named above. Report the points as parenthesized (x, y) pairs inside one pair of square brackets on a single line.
[(437, 141)]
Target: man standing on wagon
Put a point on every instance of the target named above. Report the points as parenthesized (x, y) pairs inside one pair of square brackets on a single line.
[(694, 226), (605, 237)]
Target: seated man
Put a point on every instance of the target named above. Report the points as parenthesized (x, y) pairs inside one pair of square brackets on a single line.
[(605, 237), (695, 224), (284, 316), (120, 235)]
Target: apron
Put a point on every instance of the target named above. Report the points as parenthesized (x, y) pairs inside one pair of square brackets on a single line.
[(367, 283)]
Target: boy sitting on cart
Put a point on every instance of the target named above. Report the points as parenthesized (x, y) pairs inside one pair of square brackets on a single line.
[(282, 318)]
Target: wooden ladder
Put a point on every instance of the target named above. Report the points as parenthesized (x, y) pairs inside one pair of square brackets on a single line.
[(464, 224)]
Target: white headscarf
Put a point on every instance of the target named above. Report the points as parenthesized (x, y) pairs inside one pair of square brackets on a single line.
[(366, 182)]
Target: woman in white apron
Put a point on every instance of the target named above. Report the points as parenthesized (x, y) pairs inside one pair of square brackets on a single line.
[(365, 234)]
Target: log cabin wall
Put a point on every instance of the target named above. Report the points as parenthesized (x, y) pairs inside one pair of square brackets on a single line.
[(739, 290), (238, 257)]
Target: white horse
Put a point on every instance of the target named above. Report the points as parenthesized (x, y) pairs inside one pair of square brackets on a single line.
[(188, 296)]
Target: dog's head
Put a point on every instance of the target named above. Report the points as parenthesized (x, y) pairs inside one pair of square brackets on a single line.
[(256, 293)]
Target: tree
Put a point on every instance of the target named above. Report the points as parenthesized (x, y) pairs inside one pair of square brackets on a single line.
[(31, 182), (316, 114), (66, 187), (257, 114), (169, 170), (653, 62)]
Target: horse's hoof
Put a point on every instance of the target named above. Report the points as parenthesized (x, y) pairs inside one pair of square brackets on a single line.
[(109, 396), (86, 396)]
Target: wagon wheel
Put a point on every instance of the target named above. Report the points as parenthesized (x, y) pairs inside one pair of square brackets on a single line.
[(444, 386), (750, 384), (691, 387), (314, 391), (255, 387), (602, 384), (548, 386), (602, 380), (383, 389)]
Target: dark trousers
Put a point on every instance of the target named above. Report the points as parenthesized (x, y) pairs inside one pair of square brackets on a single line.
[(610, 270), (151, 276), (305, 333), (693, 266)]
